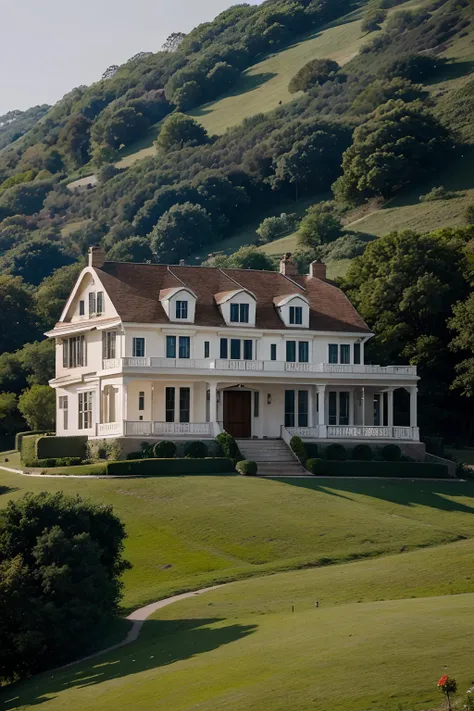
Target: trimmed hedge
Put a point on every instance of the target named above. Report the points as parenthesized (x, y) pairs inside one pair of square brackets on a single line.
[(57, 462), (401, 470), (296, 444), (170, 467), (196, 450), (362, 453), (28, 448), (47, 447), (19, 437), (164, 449), (229, 446), (336, 452), (391, 453), (247, 467)]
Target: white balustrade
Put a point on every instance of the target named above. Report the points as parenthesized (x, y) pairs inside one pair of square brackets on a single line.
[(371, 432), (138, 429), (111, 363), (109, 428), (180, 428), (307, 432)]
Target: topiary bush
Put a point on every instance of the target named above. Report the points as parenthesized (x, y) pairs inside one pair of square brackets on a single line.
[(391, 453), (246, 467), (336, 452), (296, 444), (362, 453), (316, 466), (134, 455), (164, 450), (109, 449), (196, 450), (228, 446)]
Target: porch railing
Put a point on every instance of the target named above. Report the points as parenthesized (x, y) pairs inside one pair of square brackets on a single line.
[(143, 428), (355, 432), (109, 428)]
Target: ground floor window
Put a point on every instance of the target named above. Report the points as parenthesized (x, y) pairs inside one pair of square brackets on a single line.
[(85, 410), (184, 404), (338, 405), (296, 408), (63, 405)]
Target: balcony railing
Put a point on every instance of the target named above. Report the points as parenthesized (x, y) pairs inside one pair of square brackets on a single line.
[(109, 428), (270, 366), (355, 432), (144, 428)]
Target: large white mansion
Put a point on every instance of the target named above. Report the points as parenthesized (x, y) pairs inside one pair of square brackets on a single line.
[(149, 351)]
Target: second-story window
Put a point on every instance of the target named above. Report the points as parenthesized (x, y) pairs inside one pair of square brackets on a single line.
[(207, 349), (297, 351), (333, 353), (74, 352), (82, 307), (296, 315), (273, 351), (235, 348), (92, 304), (109, 344), (184, 347), (100, 303), (223, 348), (345, 353), (357, 353), (239, 313), (138, 348), (181, 309)]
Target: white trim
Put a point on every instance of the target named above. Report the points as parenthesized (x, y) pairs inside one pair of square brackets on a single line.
[(284, 300)]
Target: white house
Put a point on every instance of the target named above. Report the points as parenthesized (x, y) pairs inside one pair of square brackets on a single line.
[(149, 351)]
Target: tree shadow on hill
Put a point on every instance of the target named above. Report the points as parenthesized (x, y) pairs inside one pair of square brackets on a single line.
[(453, 70), (161, 643), (7, 489), (403, 491)]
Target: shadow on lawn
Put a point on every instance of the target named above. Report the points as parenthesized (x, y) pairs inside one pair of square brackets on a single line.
[(161, 642), (403, 492)]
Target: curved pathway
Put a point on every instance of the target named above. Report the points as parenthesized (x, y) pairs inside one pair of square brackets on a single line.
[(137, 619)]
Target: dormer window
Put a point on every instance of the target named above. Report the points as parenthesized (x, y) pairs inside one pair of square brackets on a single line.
[(296, 315), (239, 313), (182, 309)]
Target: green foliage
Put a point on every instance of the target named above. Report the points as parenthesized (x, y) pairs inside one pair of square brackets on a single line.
[(56, 462), (247, 467), (74, 140), (196, 450), (244, 258), (33, 260), (391, 453), (60, 447), (24, 177), (469, 214), (434, 445), (164, 450), (109, 449), (320, 225), (119, 127), (178, 131), (15, 124), (397, 145), (228, 446), (187, 96), (336, 452), (133, 249), (317, 466), (16, 313), (297, 445), (27, 447), (381, 91), (25, 198), (315, 73), (19, 438), (170, 467), (53, 292), (38, 407), (10, 420), (180, 231), (362, 453), (275, 227), (373, 19), (439, 193), (59, 579), (415, 67)]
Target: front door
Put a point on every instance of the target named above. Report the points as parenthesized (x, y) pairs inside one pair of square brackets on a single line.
[(237, 413)]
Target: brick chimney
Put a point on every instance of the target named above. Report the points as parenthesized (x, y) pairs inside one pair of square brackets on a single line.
[(96, 257), (181, 262), (317, 270), (288, 267)]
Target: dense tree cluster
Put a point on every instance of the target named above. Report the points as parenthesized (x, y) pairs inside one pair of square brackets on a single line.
[(60, 580), (314, 73)]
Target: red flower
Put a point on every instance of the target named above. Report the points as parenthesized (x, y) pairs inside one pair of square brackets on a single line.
[(443, 680)]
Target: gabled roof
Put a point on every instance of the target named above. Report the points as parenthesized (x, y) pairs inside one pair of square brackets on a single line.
[(224, 296), (134, 290), (282, 300)]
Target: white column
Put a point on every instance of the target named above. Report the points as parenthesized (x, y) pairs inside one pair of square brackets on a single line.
[(352, 406), (363, 406), (212, 402), (413, 406), (261, 415), (390, 407), (310, 406), (124, 402), (322, 411)]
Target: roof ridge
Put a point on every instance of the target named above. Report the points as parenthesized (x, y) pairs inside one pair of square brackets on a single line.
[(176, 276), (232, 279), (293, 281)]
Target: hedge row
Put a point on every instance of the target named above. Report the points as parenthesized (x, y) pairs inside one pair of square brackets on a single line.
[(19, 437), (425, 470), (28, 448), (47, 447), (171, 467)]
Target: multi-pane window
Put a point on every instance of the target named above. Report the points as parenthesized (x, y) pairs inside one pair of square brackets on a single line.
[(248, 350), (239, 313), (344, 408), (184, 347), (289, 408), (109, 344), (171, 346), (181, 309), (184, 404), (223, 348), (141, 400), (85, 410), (357, 353), (169, 404), (63, 405), (235, 348), (74, 352), (273, 351), (338, 408), (100, 303), (207, 349), (298, 349), (92, 303), (345, 354), (303, 406), (296, 408), (138, 347), (333, 353), (332, 406), (296, 315), (82, 307)]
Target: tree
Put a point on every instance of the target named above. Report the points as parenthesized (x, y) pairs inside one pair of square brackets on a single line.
[(53, 292), (181, 230), (134, 249), (462, 324), (178, 131), (120, 127), (398, 144), (221, 78), (173, 41), (31, 365), (319, 226), (314, 73), (373, 20), (274, 227), (17, 317), (10, 420), (469, 214), (35, 259), (110, 71), (380, 91), (60, 580), (414, 67), (249, 257), (74, 139), (188, 96), (38, 407), (24, 199)]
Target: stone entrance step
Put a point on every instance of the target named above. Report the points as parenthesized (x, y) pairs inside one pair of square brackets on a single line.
[(273, 457)]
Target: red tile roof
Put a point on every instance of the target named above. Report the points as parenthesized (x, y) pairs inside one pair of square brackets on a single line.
[(134, 290)]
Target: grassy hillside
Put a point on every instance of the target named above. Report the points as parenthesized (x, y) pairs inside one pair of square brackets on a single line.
[(243, 646)]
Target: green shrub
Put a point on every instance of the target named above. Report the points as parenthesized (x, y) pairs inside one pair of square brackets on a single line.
[(439, 193), (28, 448), (171, 467), (196, 450), (51, 462), (247, 467), (316, 466), (362, 453), (296, 444), (19, 437), (391, 453), (104, 449), (336, 452), (228, 446), (134, 455), (312, 450), (47, 447), (164, 450)]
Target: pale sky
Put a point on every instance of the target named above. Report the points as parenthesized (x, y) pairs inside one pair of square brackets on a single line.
[(47, 47)]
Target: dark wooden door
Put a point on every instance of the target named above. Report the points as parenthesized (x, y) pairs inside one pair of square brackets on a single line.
[(237, 413)]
